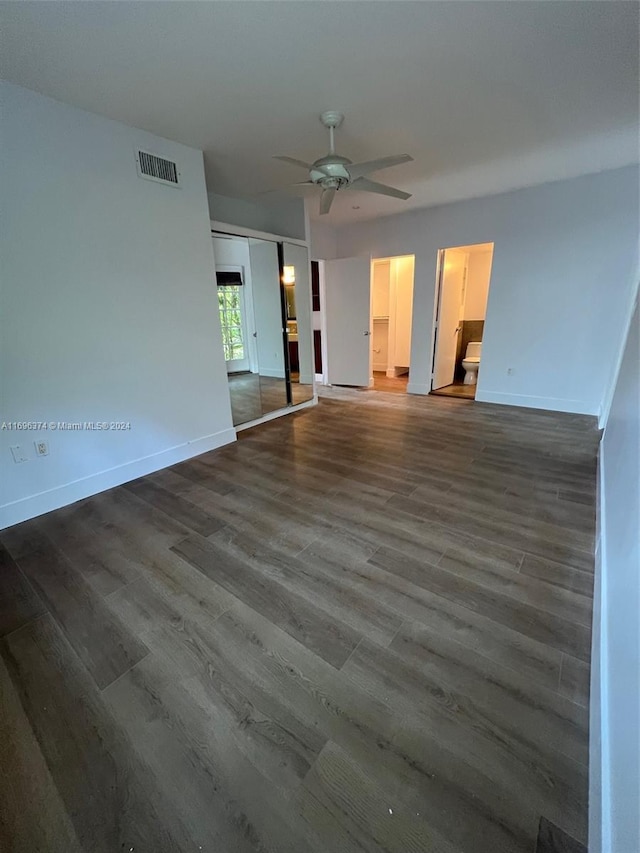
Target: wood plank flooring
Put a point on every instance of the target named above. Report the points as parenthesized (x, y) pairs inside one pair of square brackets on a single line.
[(363, 627)]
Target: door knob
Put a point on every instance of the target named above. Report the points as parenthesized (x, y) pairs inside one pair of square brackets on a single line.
[(366, 333)]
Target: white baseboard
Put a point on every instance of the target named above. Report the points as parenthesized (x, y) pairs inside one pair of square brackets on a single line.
[(553, 404), (417, 388), (381, 367), (278, 413), (599, 755), (34, 505)]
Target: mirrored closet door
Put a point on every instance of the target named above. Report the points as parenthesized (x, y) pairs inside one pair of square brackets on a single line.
[(297, 288), (265, 314)]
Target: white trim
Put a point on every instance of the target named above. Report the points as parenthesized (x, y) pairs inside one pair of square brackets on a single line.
[(607, 399), (34, 505), (553, 404), (599, 750), (319, 378), (272, 374), (418, 388), (241, 231), (278, 414)]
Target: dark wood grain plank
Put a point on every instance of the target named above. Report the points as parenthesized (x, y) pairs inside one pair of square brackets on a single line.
[(19, 603), (574, 680), (174, 506), (182, 752), (111, 801), (103, 643), (558, 575), (561, 634), (365, 809), (533, 714), (495, 567), (327, 636), (524, 779), (552, 839), (330, 593), (346, 556), (545, 540), (33, 816)]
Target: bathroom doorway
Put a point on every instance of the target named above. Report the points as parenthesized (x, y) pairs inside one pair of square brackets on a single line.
[(464, 276), (391, 318)]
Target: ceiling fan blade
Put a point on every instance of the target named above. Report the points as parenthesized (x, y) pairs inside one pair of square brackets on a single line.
[(357, 170), (368, 186), (300, 186), (293, 162), (326, 200)]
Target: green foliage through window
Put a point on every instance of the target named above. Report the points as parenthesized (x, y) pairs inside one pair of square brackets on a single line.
[(230, 305)]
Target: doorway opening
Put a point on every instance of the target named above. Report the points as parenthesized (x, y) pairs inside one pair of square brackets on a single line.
[(391, 317), (464, 276)]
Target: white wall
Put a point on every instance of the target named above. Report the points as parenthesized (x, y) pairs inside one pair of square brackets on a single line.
[(402, 300), (109, 306), (563, 265), (477, 286), (284, 218), (381, 282), (615, 693), (323, 241)]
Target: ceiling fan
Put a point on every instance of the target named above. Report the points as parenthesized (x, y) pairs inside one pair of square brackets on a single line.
[(334, 172)]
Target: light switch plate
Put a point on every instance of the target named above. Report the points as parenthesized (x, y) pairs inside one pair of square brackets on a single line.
[(18, 453)]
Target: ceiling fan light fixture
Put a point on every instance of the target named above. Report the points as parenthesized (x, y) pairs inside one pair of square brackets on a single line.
[(334, 172)]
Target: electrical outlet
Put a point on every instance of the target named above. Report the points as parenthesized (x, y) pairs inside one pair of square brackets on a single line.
[(42, 448), (18, 453)]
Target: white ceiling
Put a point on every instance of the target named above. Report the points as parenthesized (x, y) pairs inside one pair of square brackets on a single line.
[(486, 96)]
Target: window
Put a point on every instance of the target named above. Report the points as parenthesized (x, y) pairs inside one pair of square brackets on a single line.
[(230, 305)]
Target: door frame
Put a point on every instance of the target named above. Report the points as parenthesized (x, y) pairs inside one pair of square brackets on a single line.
[(392, 291), (436, 304)]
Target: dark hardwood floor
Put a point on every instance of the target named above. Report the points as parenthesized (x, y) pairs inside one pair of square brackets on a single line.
[(363, 627)]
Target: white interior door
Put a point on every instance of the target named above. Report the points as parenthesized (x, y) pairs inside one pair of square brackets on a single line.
[(451, 282), (347, 305)]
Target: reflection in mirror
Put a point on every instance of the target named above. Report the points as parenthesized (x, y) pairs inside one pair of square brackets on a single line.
[(267, 306), (297, 287), (251, 319)]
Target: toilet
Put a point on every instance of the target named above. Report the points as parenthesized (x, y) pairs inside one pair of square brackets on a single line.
[(471, 362)]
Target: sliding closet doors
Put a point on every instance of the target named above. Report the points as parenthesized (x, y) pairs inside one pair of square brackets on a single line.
[(265, 312)]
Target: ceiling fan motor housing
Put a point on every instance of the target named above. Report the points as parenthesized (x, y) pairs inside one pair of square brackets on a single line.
[(331, 171)]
